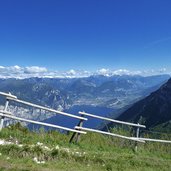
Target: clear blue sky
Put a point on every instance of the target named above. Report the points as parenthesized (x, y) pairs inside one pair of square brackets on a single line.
[(86, 34)]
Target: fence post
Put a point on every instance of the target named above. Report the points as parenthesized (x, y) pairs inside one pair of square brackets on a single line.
[(2, 118), (77, 135), (137, 135)]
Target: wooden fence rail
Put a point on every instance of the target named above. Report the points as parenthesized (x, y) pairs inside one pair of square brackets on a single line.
[(109, 133), (9, 115), (112, 120), (5, 113), (155, 140), (137, 136), (79, 129)]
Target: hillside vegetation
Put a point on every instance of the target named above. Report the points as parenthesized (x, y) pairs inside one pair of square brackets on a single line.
[(21, 149)]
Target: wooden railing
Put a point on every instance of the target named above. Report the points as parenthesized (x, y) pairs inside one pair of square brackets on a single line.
[(6, 114), (137, 137), (77, 130)]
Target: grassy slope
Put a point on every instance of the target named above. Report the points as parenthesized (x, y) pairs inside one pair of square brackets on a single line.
[(94, 152)]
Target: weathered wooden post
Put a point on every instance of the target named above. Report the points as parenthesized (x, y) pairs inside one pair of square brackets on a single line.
[(2, 118), (137, 135), (77, 135)]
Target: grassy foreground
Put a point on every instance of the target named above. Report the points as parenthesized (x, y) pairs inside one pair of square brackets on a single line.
[(50, 151)]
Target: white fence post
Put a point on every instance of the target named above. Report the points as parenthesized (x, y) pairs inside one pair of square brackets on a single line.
[(137, 135), (2, 117)]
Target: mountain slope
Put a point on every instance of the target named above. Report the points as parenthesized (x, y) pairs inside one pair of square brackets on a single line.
[(114, 93), (153, 110), (36, 91)]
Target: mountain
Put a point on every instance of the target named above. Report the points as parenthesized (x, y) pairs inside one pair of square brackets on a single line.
[(36, 91), (100, 90), (154, 111), (108, 93)]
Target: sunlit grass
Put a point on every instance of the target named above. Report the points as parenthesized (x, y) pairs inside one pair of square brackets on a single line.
[(52, 151)]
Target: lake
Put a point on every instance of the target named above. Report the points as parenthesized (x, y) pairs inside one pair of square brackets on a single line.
[(71, 122)]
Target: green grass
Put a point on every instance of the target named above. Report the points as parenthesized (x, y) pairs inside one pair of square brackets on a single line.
[(93, 152)]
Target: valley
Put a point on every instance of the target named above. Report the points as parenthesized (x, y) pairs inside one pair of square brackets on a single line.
[(98, 94)]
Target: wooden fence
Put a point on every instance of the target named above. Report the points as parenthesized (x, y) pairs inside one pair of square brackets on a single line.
[(137, 138), (77, 130), (6, 114), (80, 127)]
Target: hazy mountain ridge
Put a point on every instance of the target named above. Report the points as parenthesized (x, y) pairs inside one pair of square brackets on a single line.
[(113, 92), (154, 110)]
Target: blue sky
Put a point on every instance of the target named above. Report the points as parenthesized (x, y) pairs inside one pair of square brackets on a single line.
[(86, 34)]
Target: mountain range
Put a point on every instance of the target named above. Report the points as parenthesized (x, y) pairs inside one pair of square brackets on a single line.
[(106, 92), (154, 111)]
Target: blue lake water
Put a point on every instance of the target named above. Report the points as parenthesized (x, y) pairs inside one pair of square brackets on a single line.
[(71, 122)]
